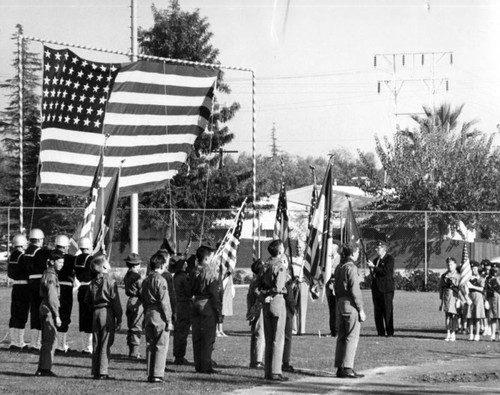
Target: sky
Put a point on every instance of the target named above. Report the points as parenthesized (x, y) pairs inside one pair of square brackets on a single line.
[(313, 61)]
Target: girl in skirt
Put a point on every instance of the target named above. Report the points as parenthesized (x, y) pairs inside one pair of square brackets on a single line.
[(476, 310), (493, 295), (448, 293)]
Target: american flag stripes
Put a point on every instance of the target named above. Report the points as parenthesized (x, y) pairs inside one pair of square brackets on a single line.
[(281, 225), (89, 214), (229, 246), (465, 276), (319, 233), (152, 111)]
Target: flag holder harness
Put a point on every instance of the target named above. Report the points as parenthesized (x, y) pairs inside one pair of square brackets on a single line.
[(20, 39)]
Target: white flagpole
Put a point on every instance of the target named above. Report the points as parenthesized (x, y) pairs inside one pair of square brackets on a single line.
[(134, 198)]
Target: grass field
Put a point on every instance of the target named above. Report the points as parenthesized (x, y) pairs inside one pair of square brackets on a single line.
[(419, 338)]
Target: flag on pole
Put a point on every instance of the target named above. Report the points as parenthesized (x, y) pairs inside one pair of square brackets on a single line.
[(351, 230), (229, 247), (153, 112), (105, 214), (317, 241), (314, 199), (281, 231), (465, 276)]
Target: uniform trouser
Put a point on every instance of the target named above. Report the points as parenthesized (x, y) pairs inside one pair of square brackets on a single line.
[(332, 309), (182, 325), (302, 307), (274, 330), (257, 340), (66, 300), (383, 312), (156, 342), (35, 301), (103, 336), (49, 335), (19, 306), (84, 311), (134, 313), (287, 348), (348, 333), (204, 326)]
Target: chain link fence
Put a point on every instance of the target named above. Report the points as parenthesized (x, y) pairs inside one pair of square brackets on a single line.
[(417, 240)]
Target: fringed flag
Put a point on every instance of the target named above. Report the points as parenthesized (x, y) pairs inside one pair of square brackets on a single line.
[(465, 276), (317, 241)]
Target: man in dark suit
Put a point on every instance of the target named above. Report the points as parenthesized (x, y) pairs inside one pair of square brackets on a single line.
[(382, 270)]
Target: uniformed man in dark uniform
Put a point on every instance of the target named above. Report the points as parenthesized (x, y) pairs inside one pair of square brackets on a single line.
[(36, 262), (49, 313), (184, 307), (84, 275), (20, 302), (157, 317), (134, 311), (207, 310), (66, 282), (382, 269)]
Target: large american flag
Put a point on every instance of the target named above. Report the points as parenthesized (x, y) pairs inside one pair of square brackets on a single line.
[(152, 111), (316, 253)]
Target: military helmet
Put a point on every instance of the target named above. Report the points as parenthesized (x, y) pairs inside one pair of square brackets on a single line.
[(19, 240), (62, 241), (36, 234), (84, 242)]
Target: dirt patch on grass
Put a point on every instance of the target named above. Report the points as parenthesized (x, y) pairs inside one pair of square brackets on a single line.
[(457, 377)]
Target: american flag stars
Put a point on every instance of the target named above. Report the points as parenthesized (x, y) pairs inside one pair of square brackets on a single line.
[(75, 91)]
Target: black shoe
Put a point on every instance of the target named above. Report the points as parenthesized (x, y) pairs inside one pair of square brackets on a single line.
[(181, 361), (85, 352), (349, 374), (258, 365), (288, 368), (104, 377), (278, 377), (15, 348), (135, 356), (45, 373), (155, 380)]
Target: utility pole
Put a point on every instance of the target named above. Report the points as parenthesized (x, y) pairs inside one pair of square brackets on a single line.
[(274, 142), (404, 61), (221, 153)]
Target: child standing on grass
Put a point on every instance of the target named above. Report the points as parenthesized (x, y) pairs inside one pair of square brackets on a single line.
[(107, 312), (475, 311), (448, 293), (134, 312), (493, 295)]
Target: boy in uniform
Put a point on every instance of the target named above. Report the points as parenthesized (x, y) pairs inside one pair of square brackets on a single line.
[(157, 317), (84, 275), (49, 313), (184, 307), (104, 299), (134, 312), (20, 301)]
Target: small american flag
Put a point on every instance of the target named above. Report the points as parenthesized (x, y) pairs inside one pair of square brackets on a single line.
[(465, 276), (229, 246), (281, 225), (152, 111)]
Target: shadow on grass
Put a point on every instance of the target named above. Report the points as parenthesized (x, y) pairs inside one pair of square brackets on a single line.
[(18, 374)]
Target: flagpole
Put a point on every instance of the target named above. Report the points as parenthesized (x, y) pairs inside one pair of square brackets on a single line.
[(101, 190), (290, 264), (20, 74), (134, 198)]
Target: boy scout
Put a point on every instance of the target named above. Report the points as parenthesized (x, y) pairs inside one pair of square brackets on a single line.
[(134, 312), (157, 317), (107, 312), (184, 307), (20, 302), (49, 313), (207, 310)]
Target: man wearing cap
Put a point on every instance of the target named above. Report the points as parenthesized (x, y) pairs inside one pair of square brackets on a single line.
[(84, 275), (66, 278), (49, 313), (134, 311), (20, 302), (382, 270), (35, 259)]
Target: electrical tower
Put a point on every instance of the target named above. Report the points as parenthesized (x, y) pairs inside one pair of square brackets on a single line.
[(422, 64)]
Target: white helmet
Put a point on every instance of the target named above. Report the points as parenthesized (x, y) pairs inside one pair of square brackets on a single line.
[(36, 234), (19, 241), (62, 241), (84, 242)]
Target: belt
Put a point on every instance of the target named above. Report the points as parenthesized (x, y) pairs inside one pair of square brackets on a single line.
[(35, 276), (68, 283), (82, 283), (20, 282)]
